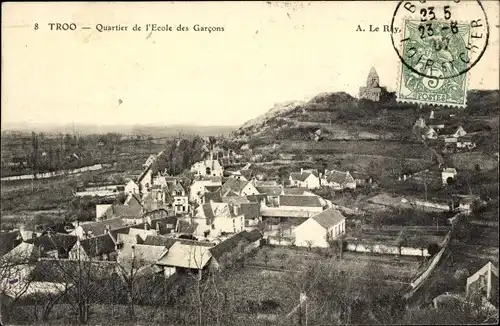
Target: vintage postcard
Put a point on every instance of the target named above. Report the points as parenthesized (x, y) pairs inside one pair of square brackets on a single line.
[(250, 163)]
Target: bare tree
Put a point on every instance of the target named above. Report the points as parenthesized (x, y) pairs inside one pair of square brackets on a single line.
[(14, 277)]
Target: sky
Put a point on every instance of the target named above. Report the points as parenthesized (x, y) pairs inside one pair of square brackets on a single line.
[(267, 54)]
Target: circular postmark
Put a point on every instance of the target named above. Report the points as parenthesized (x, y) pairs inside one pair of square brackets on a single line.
[(440, 39)]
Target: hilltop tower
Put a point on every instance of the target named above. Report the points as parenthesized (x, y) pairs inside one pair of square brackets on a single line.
[(372, 90)]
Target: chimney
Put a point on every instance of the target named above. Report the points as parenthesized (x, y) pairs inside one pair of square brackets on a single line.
[(106, 230), (301, 170), (235, 210)]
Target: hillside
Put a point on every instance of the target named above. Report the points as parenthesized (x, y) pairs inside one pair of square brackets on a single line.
[(340, 116), (348, 133)]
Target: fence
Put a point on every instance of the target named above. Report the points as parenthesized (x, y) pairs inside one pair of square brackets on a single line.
[(388, 250), (420, 280), (47, 175)]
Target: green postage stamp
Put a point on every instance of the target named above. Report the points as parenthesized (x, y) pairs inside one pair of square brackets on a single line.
[(435, 57)]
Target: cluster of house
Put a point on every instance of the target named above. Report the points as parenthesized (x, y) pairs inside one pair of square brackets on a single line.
[(451, 136), (157, 243)]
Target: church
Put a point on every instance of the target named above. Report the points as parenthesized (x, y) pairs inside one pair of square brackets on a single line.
[(372, 90)]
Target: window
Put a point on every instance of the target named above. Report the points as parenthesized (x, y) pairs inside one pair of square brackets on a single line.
[(208, 171)]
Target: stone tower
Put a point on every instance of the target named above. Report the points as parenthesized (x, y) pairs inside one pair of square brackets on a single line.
[(372, 81), (372, 90)]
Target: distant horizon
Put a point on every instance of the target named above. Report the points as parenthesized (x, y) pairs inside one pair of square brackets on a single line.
[(29, 126)]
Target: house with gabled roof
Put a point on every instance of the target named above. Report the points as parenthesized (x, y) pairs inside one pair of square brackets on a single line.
[(300, 203), (272, 193), (145, 181), (338, 180), (131, 187), (233, 249), (208, 167), (185, 258), (235, 187), (214, 196), (199, 187), (309, 179), (9, 240), (216, 219), (54, 245), (319, 229), (482, 286), (101, 247), (139, 255), (243, 174), (453, 131)]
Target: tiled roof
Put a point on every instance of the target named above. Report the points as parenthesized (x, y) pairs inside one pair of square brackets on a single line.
[(128, 238), (22, 253), (338, 177), (227, 245), (152, 240), (302, 201), (186, 227), (250, 210), (213, 188), (60, 242), (186, 256), (143, 174), (233, 185), (215, 196), (328, 218), (164, 225), (248, 174), (8, 241), (207, 211), (252, 236), (133, 201), (257, 198), (279, 212), (294, 191), (143, 254), (99, 245), (300, 176), (142, 233), (174, 186), (235, 200), (270, 190)]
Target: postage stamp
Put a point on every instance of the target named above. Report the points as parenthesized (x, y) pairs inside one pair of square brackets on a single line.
[(440, 43), (437, 62)]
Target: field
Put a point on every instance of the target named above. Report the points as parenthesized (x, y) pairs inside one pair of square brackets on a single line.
[(26, 202), (294, 259), (375, 147)]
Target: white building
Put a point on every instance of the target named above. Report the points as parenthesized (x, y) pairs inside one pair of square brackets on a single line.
[(208, 167), (145, 181), (214, 219), (198, 188), (131, 188), (447, 174), (235, 187), (316, 231), (338, 180), (305, 179)]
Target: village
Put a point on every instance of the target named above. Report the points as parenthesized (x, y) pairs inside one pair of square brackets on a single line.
[(244, 225)]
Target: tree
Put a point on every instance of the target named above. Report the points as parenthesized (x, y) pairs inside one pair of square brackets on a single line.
[(433, 249), (14, 278)]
